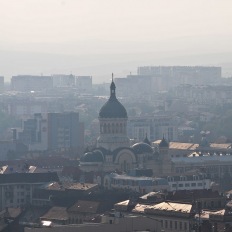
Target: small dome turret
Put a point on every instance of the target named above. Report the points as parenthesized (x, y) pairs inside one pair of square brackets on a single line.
[(146, 140), (164, 143), (94, 156), (140, 148), (113, 108)]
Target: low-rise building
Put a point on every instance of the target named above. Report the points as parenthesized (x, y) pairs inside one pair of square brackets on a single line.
[(16, 189), (189, 182), (136, 184)]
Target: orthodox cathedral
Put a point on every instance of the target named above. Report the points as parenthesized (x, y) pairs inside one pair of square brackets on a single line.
[(113, 151)]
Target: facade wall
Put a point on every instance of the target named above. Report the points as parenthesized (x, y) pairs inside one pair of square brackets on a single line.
[(1, 84), (65, 131), (16, 194), (84, 84), (34, 133), (189, 184), (62, 80), (155, 127), (26, 83), (113, 224), (167, 77)]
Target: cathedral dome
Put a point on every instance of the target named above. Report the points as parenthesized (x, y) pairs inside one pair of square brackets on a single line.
[(113, 108), (146, 140), (95, 156), (163, 143), (140, 148)]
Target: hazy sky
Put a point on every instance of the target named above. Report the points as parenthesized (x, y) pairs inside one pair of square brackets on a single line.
[(91, 27)]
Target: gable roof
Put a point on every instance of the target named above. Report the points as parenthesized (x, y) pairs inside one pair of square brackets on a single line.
[(28, 177), (56, 213), (85, 207)]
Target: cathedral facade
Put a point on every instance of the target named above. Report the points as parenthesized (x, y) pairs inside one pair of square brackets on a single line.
[(113, 152)]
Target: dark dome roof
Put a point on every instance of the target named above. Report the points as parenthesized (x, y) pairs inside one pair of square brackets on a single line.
[(112, 108), (140, 148), (94, 156), (163, 143), (146, 140)]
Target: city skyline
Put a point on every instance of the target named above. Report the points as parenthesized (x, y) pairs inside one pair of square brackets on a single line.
[(96, 38)]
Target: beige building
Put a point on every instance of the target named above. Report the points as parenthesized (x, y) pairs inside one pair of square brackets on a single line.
[(110, 223)]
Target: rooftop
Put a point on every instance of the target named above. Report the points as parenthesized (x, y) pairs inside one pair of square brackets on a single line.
[(170, 207), (84, 207), (56, 213)]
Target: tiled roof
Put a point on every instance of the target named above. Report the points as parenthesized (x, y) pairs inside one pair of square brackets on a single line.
[(85, 207), (203, 159), (69, 186), (220, 145), (193, 146), (170, 207), (13, 212), (56, 213), (140, 208), (186, 194), (123, 203), (28, 177)]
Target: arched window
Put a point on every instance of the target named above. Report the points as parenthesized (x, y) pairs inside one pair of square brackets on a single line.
[(120, 127), (116, 128)]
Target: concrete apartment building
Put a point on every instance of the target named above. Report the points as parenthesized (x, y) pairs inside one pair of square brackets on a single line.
[(141, 84), (52, 131), (84, 84), (166, 77), (65, 131), (154, 127), (16, 189), (26, 107), (204, 94), (34, 133), (1, 84), (62, 80), (27, 83), (9, 148)]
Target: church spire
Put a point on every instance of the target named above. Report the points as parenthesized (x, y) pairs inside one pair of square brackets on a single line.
[(112, 87)]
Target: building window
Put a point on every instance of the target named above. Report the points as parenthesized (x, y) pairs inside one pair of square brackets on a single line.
[(180, 224), (175, 225), (212, 204), (186, 185), (219, 203), (185, 225), (170, 224), (199, 184), (193, 184), (166, 224)]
